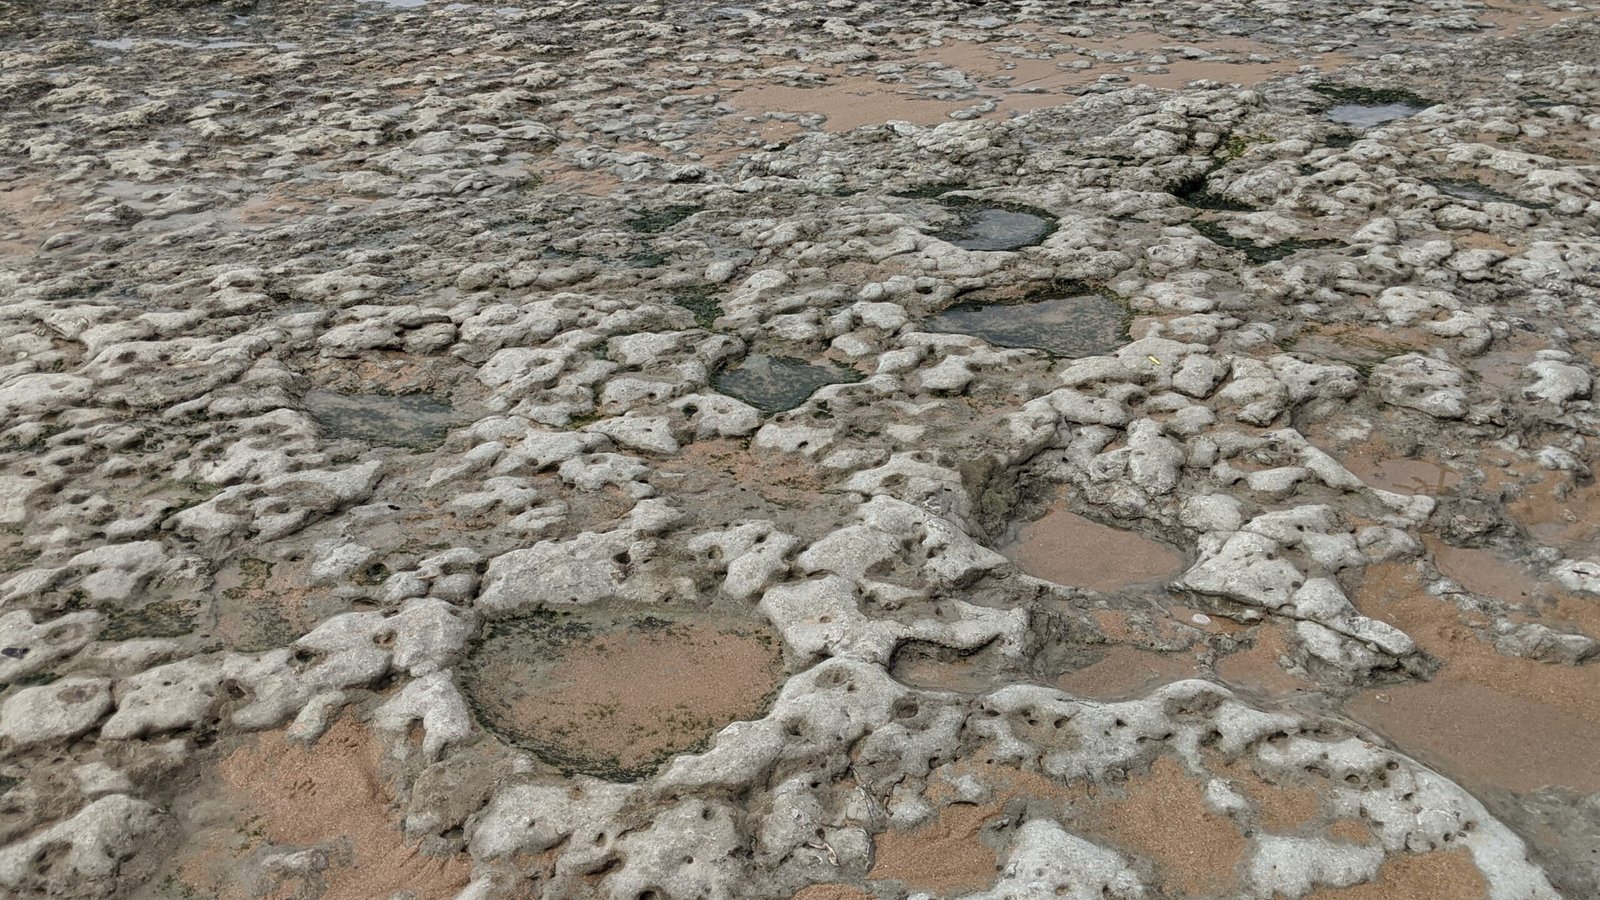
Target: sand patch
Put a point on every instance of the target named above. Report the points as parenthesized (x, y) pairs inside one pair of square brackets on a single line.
[(1162, 816), (927, 665), (832, 892), (27, 218), (256, 606), (999, 79), (1282, 808), (1256, 668), (1350, 831), (946, 855), (949, 855), (781, 479), (1070, 550), (1498, 720), (1506, 17), (1429, 876), (617, 698), (1560, 515), (331, 795), (847, 102), (1125, 671)]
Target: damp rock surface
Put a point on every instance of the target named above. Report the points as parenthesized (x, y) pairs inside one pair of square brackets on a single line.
[(403, 420), (1069, 327), (776, 383)]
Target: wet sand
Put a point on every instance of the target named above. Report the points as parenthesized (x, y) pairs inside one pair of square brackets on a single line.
[(1484, 572), (1559, 515), (1256, 668), (1430, 876), (1070, 550), (1125, 672), (1493, 720), (1162, 816), (328, 794), (946, 855), (832, 892), (1025, 71)]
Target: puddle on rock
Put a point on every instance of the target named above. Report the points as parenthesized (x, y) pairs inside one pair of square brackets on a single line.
[(1402, 476), (1007, 227), (1067, 327), (1070, 550), (773, 384), (616, 698), (1366, 107), (1257, 253), (1367, 115), (415, 421), (1484, 572), (1560, 515)]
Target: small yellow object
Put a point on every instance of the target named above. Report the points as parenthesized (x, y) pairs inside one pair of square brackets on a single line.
[(1153, 360)]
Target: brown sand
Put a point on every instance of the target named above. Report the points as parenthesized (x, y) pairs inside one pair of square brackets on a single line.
[(1284, 808), (633, 697), (941, 672), (848, 101), (1498, 720), (1566, 519), (1163, 817), (1442, 875), (1256, 668), (29, 220), (832, 892), (782, 479), (1509, 16), (259, 605), (1071, 550), (948, 854), (1350, 831), (1015, 82), (332, 793), (1127, 671), (945, 855)]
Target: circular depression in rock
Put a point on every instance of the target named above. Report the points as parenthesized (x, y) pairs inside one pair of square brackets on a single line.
[(1069, 327), (773, 384), (416, 421), (996, 227), (616, 697)]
